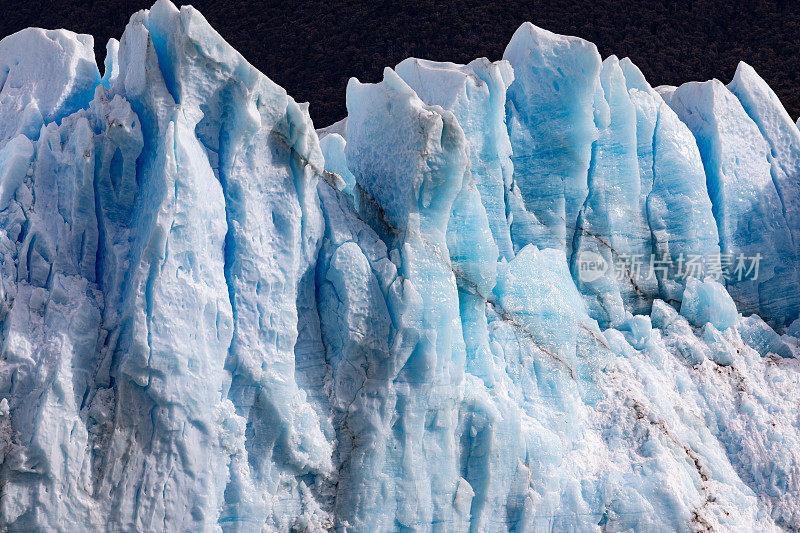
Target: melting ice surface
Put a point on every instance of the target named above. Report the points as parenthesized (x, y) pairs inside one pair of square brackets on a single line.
[(535, 294)]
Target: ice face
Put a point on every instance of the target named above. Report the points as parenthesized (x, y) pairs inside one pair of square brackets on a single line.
[(673, 185), (751, 219), (780, 132), (613, 221), (473, 305), (551, 124), (44, 75), (476, 94), (415, 198), (774, 124)]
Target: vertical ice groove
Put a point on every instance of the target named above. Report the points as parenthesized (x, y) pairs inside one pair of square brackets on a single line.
[(612, 223), (678, 207), (474, 238), (60, 293), (265, 162), (416, 198), (353, 273)]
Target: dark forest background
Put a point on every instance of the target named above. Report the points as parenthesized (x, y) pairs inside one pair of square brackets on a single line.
[(313, 47)]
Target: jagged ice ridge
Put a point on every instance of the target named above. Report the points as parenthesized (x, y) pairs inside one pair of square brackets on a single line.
[(535, 294)]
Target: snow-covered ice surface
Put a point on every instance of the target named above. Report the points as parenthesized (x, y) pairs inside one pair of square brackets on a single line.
[(535, 294)]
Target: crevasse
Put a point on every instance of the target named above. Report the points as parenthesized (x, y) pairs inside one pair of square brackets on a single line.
[(535, 294)]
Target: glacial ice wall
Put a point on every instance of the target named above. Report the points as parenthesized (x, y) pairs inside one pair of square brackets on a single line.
[(535, 294)]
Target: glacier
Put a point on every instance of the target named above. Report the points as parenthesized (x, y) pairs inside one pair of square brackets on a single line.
[(534, 294)]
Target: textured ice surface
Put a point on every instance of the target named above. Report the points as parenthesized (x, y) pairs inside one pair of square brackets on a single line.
[(747, 205), (336, 162), (473, 305), (551, 123), (44, 76), (673, 183), (707, 302)]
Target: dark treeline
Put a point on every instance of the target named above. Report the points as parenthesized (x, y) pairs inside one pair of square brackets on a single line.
[(312, 47)]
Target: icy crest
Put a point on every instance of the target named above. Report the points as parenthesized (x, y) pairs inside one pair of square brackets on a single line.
[(44, 76), (534, 294)]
